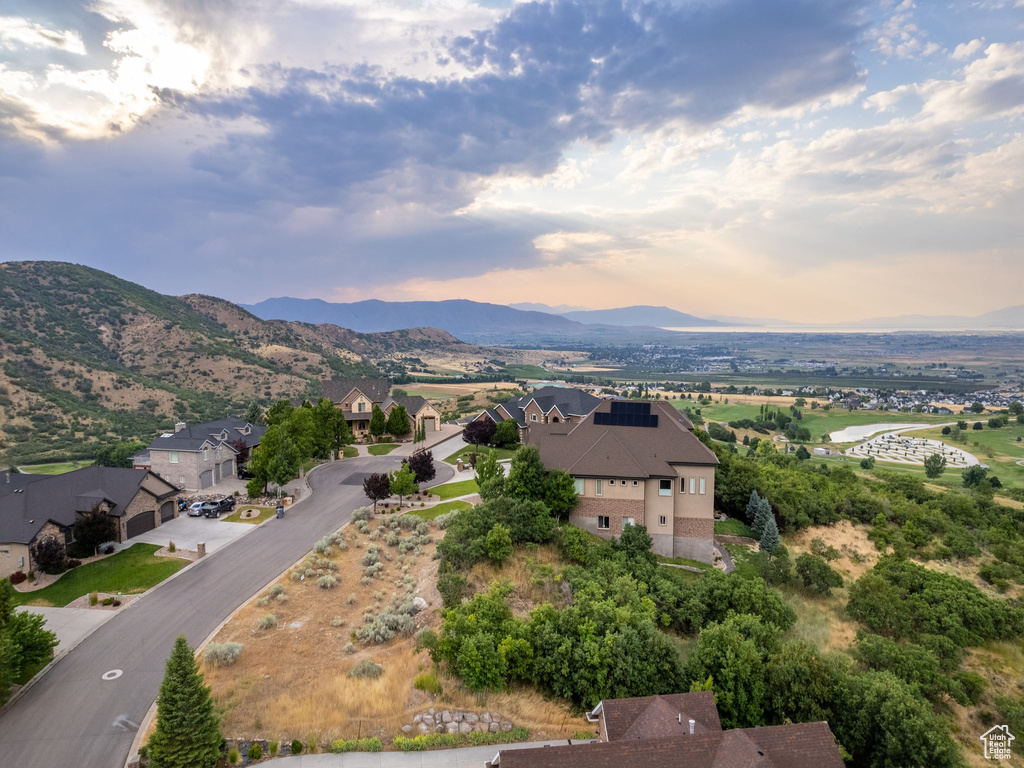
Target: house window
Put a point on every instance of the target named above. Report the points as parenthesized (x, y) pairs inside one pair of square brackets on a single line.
[(662, 520), (636, 483), (623, 482), (628, 521), (664, 487), (361, 408), (693, 483), (702, 482), (533, 417), (172, 457), (603, 523), (181, 480), (206, 454), (599, 486), (578, 483)]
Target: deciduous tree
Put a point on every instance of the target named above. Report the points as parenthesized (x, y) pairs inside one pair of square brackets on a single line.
[(934, 465), (377, 487), (479, 432), (560, 492), (526, 475), (403, 482), (422, 465), (506, 434)]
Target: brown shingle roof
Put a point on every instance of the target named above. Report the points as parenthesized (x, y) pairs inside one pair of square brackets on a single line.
[(647, 717), (375, 389), (800, 745), (596, 450)]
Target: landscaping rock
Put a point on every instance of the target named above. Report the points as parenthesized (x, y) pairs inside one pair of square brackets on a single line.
[(485, 717), (458, 717), (446, 716), (431, 710), (469, 717), (419, 603), (439, 729), (452, 727), (417, 719), (496, 717), (480, 727), (423, 727), (465, 727), (506, 725), (406, 729), (493, 727)]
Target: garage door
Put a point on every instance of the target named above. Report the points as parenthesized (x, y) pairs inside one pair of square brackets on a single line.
[(166, 511), (146, 521), (429, 423), (206, 479), (227, 469)]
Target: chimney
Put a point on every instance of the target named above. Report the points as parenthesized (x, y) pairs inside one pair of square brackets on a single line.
[(691, 727), (179, 426)]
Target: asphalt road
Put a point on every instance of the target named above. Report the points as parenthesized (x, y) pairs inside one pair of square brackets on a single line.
[(72, 717)]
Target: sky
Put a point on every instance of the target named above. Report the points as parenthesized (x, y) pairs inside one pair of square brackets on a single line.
[(808, 160)]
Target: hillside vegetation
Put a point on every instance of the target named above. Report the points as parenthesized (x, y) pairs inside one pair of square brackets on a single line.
[(89, 358)]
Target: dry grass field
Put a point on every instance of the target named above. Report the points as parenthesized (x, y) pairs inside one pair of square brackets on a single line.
[(293, 678)]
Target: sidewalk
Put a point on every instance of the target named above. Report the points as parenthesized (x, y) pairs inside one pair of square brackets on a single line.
[(467, 757)]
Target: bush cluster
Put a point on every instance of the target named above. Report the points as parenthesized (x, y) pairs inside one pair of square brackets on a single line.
[(367, 669), (357, 745), (426, 741), (223, 654)]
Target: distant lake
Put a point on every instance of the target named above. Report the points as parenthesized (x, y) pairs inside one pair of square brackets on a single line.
[(814, 329)]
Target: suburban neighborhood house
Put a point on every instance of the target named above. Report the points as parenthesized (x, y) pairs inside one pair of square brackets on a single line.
[(546, 405), (35, 507), (196, 457), (681, 729), (356, 398), (638, 463)]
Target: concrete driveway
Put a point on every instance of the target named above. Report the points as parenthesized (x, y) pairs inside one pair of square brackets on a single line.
[(187, 531), (70, 624), (466, 757), (73, 717)]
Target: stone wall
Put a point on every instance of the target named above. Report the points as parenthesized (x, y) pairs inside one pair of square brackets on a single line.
[(187, 468), (142, 504), (456, 721)]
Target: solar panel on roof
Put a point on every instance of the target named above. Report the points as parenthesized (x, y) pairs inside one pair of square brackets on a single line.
[(626, 414)]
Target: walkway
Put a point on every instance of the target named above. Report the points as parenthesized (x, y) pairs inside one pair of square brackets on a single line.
[(467, 757), (71, 716)]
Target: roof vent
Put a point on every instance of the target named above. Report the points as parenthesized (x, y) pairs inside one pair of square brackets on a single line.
[(692, 724)]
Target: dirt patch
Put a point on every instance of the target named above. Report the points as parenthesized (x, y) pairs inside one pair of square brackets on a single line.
[(293, 679), (857, 553)]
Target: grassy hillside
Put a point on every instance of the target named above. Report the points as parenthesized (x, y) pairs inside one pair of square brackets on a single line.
[(89, 358)]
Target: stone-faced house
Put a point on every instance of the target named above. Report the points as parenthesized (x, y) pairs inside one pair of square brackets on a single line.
[(34, 507), (681, 729), (196, 457), (637, 463), (356, 398), (545, 405)]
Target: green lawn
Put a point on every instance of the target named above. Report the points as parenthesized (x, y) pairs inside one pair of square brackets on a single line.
[(500, 453), (451, 490), (349, 452), (743, 559), (733, 527), (382, 449), (440, 509), (236, 517), (132, 570), (58, 468)]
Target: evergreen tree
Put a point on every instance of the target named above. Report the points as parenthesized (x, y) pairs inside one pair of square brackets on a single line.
[(254, 413), (398, 421), (378, 422), (526, 475), (187, 731), (752, 506), (770, 536), (764, 511)]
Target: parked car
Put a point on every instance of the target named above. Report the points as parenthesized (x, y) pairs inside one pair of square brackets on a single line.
[(195, 509), (227, 504), (211, 509), (245, 474)]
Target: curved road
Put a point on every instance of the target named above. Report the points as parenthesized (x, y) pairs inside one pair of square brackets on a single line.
[(72, 717)]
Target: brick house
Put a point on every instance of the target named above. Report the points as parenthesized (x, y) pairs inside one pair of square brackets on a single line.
[(545, 405), (637, 463), (196, 457), (681, 729), (34, 507), (356, 398)]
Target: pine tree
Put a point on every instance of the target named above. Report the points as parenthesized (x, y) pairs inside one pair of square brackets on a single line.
[(752, 506), (764, 512), (770, 537), (378, 422), (187, 730)]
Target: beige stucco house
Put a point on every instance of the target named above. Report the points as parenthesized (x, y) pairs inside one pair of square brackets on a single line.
[(34, 507), (637, 463), (356, 398)]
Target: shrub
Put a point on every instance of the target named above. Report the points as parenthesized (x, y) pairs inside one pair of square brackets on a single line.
[(223, 654), (816, 574), (171, 547), (296, 576), (276, 590), (451, 585), (575, 543), (282, 598), (426, 741), (357, 745), (93, 598), (296, 747), (349, 648), (583, 735), (327, 582), (108, 601), (17, 577), (255, 752), (234, 756), (367, 669), (323, 547), (49, 555), (361, 514), (268, 622), (272, 748), (70, 563), (428, 682), (264, 601)]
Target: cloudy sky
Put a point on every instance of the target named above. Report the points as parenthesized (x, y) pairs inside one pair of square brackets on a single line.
[(801, 159)]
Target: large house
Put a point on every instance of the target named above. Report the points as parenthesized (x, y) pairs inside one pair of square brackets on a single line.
[(356, 398), (545, 405), (681, 729), (35, 507), (195, 457), (637, 463)]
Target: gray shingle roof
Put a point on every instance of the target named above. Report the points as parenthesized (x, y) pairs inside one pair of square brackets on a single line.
[(593, 450), (413, 403), (375, 389), (192, 437), (570, 401), (60, 497)]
